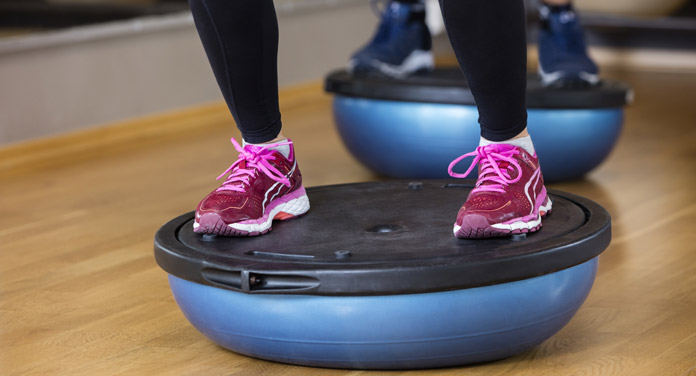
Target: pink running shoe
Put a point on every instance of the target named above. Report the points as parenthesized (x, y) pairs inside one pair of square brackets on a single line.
[(262, 185), (509, 197)]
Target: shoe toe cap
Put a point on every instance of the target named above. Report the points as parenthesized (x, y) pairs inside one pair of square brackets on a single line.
[(481, 216), (229, 208), (473, 221)]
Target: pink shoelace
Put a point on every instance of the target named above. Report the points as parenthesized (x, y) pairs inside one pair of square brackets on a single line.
[(255, 158), (491, 178)]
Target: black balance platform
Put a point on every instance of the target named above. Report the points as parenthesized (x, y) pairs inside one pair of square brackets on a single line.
[(372, 278), (379, 239), (449, 86)]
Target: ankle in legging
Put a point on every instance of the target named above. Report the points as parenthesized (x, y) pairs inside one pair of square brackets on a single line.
[(489, 40), (240, 38)]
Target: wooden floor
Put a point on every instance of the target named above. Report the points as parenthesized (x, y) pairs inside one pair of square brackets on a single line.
[(80, 293)]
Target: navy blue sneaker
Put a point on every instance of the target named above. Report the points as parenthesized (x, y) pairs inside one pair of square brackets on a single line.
[(563, 59), (402, 45)]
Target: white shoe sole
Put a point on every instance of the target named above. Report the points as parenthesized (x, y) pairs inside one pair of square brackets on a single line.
[(417, 60)]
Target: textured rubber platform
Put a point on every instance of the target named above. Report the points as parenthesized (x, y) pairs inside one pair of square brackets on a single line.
[(448, 85), (382, 238)]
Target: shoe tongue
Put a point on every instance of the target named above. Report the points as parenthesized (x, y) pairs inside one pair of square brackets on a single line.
[(283, 150), (500, 148), (255, 148), (258, 150), (502, 164), (490, 173)]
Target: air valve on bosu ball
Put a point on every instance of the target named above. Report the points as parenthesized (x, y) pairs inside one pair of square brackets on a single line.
[(364, 281), (414, 127)]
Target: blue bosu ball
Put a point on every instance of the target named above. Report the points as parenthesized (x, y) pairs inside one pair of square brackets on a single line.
[(411, 331), (415, 127), (363, 281)]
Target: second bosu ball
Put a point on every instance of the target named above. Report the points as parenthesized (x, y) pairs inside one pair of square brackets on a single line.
[(413, 128)]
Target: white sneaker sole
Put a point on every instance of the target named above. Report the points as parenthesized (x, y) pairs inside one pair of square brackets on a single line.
[(550, 78), (417, 60), (290, 206)]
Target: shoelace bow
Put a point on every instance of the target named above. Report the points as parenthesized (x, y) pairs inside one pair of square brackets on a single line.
[(255, 160), (490, 157)]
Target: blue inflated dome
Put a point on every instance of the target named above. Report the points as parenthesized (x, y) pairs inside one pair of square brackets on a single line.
[(414, 128)]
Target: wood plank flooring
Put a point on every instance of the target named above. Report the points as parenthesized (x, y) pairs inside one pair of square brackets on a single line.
[(80, 293)]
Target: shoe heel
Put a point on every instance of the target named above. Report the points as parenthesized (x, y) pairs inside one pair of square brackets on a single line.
[(283, 216), (546, 207), (293, 208)]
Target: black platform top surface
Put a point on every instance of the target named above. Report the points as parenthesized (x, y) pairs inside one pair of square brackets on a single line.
[(382, 238), (448, 85)]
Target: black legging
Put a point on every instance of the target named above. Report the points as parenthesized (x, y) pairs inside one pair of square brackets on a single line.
[(240, 38), (489, 39)]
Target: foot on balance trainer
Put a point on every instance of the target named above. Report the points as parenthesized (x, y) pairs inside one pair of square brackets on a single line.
[(509, 197), (263, 184)]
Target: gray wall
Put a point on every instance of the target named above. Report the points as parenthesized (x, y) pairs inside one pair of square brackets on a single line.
[(53, 82), (59, 81)]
